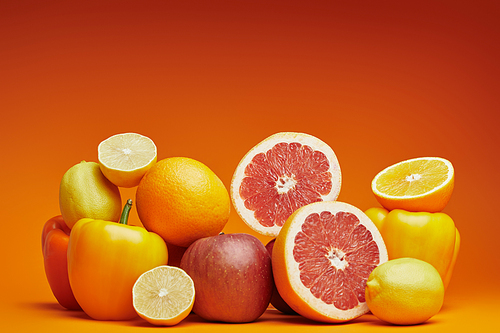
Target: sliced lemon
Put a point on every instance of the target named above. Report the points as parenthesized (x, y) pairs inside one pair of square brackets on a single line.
[(163, 295), (421, 184), (125, 158)]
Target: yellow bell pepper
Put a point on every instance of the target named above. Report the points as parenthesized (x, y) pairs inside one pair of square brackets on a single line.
[(377, 215), (104, 261), (431, 237)]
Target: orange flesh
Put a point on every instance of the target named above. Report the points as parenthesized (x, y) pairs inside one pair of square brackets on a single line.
[(285, 178), (413, 178), (336, 254)]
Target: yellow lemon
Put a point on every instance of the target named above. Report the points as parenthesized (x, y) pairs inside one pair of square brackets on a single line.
[(126, 157), (85, 192), (404, 291), (163, 295)]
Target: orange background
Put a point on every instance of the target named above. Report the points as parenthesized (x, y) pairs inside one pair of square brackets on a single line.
[(379, 81)]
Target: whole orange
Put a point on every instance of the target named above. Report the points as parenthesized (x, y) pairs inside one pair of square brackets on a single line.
[(182, 200)]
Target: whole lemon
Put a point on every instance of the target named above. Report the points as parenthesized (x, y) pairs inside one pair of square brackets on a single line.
[(182, 200), (85, 192), (404, 291)]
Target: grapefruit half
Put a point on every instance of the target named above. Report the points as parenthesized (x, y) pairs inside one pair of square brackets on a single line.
[(281, 174), (322, 259)]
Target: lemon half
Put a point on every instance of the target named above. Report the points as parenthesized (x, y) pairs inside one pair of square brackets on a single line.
[(125, 158), (163, 295)]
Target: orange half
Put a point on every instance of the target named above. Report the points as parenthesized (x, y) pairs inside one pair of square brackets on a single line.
[(423, 184)]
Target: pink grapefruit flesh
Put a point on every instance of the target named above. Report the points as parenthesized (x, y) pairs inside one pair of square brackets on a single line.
[(280, 175), (335, 254), (322, 260)]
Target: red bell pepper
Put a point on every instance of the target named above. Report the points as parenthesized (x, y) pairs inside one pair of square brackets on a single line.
[(55, 237)]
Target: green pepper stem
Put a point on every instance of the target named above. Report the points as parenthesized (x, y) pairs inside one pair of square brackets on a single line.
[(125, 212)]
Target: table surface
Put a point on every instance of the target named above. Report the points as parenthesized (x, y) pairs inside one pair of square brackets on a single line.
[(459, 313)]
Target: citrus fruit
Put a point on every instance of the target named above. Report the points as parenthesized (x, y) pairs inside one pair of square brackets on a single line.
[(281, 174), (423, 184), (322, 258), (85, 192), (125, 158), (163, 295), (405, 291), (182, 200)]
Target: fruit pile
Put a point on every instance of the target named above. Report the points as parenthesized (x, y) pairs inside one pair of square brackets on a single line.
[(421, 240), (327, 261)]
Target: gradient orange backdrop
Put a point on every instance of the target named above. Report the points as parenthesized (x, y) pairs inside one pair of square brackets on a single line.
[(379, 81)]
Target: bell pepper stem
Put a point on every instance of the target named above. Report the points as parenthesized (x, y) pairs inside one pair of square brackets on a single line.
[(125, 212)]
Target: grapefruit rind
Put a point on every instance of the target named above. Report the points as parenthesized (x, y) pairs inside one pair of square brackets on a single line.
[(286, 269), (433, 200), (247, 215)]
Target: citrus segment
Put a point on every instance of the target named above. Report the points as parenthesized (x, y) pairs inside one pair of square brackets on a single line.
[(163, 295), (322, 259), (419, 184), (125, 158), (281, 174)]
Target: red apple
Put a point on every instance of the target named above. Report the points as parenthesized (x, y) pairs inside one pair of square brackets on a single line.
[(276, 300), (232, 277)]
